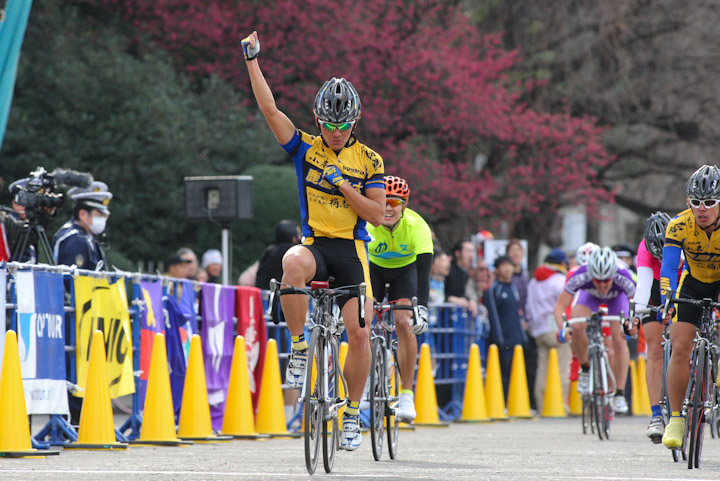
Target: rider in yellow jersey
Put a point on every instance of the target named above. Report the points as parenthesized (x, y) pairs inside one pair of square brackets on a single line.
[(401, 253), (693, 232), (340, 182)]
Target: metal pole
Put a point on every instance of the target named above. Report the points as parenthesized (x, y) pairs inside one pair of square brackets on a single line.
[(226, 254)]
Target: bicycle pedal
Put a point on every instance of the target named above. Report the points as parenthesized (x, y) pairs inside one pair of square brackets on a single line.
[(656, 439)]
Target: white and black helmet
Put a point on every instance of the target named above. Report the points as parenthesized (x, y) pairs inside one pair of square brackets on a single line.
[(602, 264), (655, 227), (337, 102), (584, 251), (704, 183)]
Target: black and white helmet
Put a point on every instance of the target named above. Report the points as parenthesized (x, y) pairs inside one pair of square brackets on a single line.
[(704, 183), (583, 253), (602, 264), (655, 227), (337, 101)]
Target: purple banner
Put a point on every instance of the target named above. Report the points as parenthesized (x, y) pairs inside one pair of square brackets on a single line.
[(152, 321), (217, 306)]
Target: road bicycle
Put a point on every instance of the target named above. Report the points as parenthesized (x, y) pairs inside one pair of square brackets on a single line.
[(701, 392), (320, 393), (384, 387), (597, 410)]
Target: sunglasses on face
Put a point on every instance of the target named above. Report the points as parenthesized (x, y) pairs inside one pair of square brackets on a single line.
[(707, 203), (602, 281), (341, 127), (394, 202)]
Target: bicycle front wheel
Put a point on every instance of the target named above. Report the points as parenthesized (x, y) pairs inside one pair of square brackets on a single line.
[(393, 397), (313, 407), (696, 411), (377, 398), (664, 399), (330, 428)]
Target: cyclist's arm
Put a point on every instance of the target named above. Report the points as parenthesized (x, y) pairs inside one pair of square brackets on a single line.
[(562, 303), (644, 285), (279, 123), (669, 269), (370, 207), (424, 265)]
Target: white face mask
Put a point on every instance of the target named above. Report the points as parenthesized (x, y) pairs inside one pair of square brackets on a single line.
[(97, 226)]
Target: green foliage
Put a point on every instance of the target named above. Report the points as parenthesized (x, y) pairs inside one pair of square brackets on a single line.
[(91, 98)]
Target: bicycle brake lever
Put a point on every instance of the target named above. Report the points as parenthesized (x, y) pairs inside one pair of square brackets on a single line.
[(272, 309), (416, 313)]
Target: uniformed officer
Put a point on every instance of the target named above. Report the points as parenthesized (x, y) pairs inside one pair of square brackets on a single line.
[(75, 242)]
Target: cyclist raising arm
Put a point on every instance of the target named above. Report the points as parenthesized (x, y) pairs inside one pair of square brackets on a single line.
[(694, 233), (401, 254), (601, 281), (341, 188)]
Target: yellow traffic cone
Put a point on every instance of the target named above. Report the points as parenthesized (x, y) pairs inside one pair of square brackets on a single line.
[(553, 406), (97, 429), (495, 395), (425, 396), (343, 355), (270, 417), (474, 405), (158, 426), (635, 399), (574, 400), (195, 424), (518, 405), (15, 439), (239, 418), (642, 388)]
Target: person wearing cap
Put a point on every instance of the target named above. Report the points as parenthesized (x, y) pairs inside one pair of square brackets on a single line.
[(211, 267), (543, 290), (178, 266), (626, 255), (76, 243)]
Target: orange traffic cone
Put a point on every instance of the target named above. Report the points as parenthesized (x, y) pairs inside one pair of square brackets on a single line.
[(474, 405), (495, 395), (270, 417), (97, 429), (195, 424), (425, 396), (518, 405), (239, 418), (643, 396), (553, 406), (158, 426), (574, 400), (15, 439)]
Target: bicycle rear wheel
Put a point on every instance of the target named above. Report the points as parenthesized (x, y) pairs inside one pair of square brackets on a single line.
[(696, 411), (393, 397), (313, 409), (586, 414), (377, 398), (330, 429)]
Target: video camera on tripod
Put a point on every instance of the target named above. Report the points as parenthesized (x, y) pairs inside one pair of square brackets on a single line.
[(40, 194)]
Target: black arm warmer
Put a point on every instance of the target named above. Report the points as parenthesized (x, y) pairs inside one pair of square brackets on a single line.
[(424, 264)]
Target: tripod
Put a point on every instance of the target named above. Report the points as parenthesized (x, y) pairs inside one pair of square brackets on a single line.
[(30, 227)]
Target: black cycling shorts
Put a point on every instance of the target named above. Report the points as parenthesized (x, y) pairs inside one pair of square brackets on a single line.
[(654, 301), (344, 259), (402, 280), (694, 289)]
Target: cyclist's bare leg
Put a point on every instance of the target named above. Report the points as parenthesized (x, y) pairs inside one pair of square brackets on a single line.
[(621, 359), (579, 340), (653, 374), (357, 365), (407, 345), (298, 270), (681, 336)]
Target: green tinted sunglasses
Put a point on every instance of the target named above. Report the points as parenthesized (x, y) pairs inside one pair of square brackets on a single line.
[(341, 127)]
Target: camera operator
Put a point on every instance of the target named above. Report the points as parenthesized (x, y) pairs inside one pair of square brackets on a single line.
[(76, 241)]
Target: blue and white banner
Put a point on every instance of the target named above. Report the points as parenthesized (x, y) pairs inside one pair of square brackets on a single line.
[(41, 341), (3, 305)]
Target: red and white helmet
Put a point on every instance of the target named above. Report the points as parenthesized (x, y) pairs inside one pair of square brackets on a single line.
[(584, 251)]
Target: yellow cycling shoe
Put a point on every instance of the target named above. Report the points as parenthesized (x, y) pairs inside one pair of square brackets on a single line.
[(674, 432)]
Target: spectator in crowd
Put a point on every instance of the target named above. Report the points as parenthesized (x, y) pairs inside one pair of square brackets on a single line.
[(212, 261), (457, 280), (76, 242), (503, 304), (440, 269), (626, 255), (287, 234), (178, 267), (543, 290), (191, 260)]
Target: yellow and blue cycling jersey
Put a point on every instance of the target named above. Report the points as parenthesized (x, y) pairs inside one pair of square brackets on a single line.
[(702, 252), (324, 210), (400, 247)]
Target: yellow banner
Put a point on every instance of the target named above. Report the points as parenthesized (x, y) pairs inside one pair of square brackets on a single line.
[(103, 306)]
